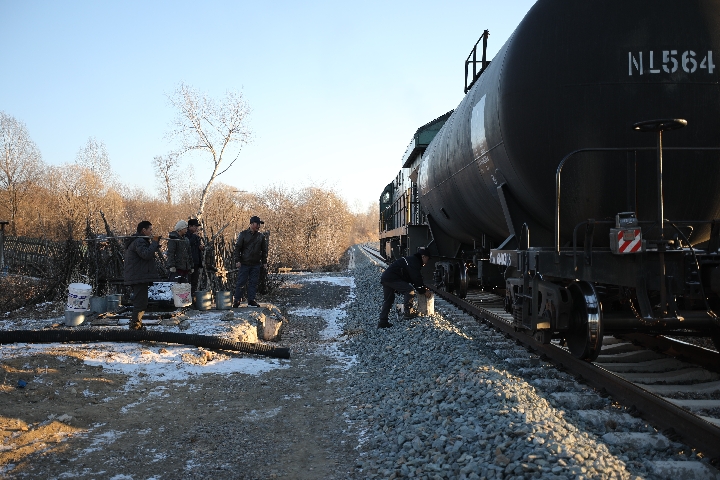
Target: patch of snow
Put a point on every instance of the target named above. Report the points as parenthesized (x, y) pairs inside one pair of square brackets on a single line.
[(102, 439), (254, 415), (332, 316), (341, 281), (160, 291)]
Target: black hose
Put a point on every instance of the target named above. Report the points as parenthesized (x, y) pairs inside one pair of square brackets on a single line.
[(126, 335)]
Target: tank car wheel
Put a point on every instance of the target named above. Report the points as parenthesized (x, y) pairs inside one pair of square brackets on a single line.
[(584, 339)]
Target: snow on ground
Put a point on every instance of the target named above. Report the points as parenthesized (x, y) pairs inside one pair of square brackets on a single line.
[(169, 362), (154, 361), (332, 317)]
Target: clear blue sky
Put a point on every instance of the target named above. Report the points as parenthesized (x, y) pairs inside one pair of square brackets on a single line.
[(336, 88)]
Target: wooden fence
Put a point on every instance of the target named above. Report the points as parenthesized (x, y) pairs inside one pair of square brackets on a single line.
[(32, 256), (99, 262)]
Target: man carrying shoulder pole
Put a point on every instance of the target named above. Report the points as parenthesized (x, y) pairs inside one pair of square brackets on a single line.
[(140, 271)]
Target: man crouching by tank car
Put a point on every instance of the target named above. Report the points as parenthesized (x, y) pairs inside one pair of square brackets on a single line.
[(140, 271), (179, 258), (403, 276)]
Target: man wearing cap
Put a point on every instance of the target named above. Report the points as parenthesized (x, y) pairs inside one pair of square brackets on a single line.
[(179, 258), (403, 276), (196, 250), (250, 255)]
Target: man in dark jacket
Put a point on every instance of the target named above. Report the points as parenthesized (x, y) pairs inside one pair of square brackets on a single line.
[(197, 248), (403, 276), (250, 256), (140, 271)]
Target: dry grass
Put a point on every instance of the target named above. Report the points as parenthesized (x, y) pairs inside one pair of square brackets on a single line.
[(19, 291)]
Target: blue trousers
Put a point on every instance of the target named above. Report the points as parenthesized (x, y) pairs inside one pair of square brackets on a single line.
[(248, 275)]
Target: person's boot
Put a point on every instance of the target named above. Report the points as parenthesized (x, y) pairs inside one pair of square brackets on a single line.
[(410, 314), (136, 321), (384, 324), (252, 303)]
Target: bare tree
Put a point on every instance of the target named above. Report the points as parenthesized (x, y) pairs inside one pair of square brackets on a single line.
[(94, 157), (365, 225), (217, 128), (167, 174), (20, 164)]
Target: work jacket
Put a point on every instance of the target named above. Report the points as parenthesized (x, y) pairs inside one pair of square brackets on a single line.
[(251, 248), (195, 251), (178, 252), (405, 269), (140, 260)]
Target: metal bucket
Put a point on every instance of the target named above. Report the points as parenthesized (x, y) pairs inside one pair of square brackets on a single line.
[(113, 302), (203, 299), (223, 300), (98, 304), (73, 319)]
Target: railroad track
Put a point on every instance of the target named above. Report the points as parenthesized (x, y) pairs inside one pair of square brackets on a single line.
[(672, 385), (373, 254)]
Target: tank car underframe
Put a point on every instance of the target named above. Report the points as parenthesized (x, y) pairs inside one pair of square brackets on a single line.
[(558, 296), (403, 241)]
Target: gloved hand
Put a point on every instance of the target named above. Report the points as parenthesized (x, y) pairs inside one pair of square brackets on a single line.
[(156, 238), (173, 269), (192, 270)]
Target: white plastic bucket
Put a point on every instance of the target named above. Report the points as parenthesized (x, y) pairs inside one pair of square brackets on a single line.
[(181, 294), (78, 297)]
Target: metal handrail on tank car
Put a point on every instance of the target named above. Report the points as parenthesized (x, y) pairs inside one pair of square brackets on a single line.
[(575, 254), (483, 63), (583, 150)]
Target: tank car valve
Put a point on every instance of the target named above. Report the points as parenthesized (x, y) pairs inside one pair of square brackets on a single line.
[(626, 237)]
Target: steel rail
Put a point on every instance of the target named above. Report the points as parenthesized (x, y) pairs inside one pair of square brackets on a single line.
[(673, 420), (702, 357), (373, 253)]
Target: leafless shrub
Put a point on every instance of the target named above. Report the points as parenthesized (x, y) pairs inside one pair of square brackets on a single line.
[(19, 291)]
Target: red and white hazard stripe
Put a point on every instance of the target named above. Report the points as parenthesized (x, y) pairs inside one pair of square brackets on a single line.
[(629, 241)]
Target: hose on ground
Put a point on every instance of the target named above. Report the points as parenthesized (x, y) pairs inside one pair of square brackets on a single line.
[(118, 335)]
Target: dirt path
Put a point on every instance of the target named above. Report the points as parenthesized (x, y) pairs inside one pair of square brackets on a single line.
[(77, 420)]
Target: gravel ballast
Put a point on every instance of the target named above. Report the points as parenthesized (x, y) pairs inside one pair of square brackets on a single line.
[(437, 400)]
